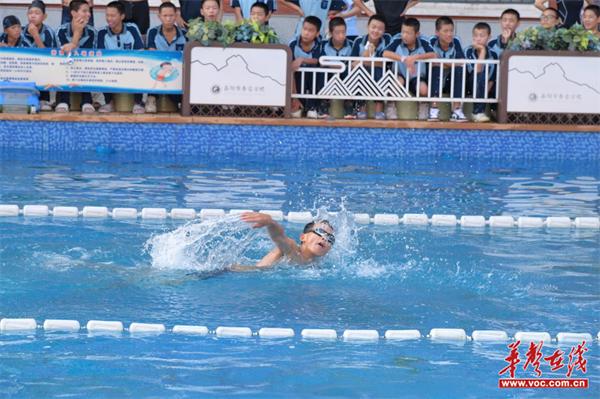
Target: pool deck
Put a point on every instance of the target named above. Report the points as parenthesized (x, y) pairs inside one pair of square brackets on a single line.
[(178, 119)]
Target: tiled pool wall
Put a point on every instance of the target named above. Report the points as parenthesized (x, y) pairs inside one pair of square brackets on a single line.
[(294, 141)]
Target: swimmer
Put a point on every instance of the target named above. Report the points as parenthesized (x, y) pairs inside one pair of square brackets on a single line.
[(316, 241)]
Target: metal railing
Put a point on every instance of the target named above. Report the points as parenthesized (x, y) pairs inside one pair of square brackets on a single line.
[(376, 79)]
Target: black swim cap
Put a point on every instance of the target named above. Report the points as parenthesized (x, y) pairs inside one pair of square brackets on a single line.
[(9, 21), (38, 4)]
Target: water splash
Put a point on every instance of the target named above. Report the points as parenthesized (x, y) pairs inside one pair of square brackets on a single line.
[(205, 246)]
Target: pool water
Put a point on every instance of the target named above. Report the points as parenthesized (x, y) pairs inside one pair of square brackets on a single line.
[(401, 277)]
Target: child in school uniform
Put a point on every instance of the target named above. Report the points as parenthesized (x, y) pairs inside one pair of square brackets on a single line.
[(77, 34), (12, 35), (306, 50), (165, 37), (243, 8), (484, 81), (509, 22), (119, 35), (446, 45), (39, 35)]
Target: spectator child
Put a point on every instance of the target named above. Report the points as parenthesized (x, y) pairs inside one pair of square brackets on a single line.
[(243, 8), (372, 45), (66, 12), (338, 45), (446, 46), (591, 19), (260, 13), (306, 50), (119, 35), (509, 22), (550, 19), (349, 13), (165, 37), (38, 35), (73, 35), (211, 10), (476, 74), (408, 49), (315, 8), (12, 36)]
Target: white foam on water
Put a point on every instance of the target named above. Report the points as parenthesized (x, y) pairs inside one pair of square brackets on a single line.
[(209, 245)]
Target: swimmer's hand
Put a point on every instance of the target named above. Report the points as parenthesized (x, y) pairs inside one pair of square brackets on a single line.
[(256, 219)]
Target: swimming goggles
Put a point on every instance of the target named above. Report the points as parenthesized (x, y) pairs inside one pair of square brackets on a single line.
[(330, 238)]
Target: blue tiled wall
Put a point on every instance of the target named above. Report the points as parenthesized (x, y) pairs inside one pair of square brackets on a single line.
[(294, 141)]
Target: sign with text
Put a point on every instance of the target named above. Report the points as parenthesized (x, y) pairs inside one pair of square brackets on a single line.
[(553, 84), (92, 70), (239, 75)]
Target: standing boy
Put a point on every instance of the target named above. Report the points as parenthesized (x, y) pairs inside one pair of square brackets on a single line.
[(119, 35), (73, 35), (38, 35), (306, 50), (509, 22), (485, 78), (243, 8), (315, 8), (165, 37), (372, 45), (447, 46)]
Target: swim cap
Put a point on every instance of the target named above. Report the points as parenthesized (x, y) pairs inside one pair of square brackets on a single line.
[(9, 21), (38, 4)]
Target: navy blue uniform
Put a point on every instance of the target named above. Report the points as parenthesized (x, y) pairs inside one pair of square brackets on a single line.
[(157, 40), (313, 52), (129, 39), (358, 49), (481, 82), (454, 52), (421, 47), (64, 34), (570, 12), (46, 34), (20, 42)]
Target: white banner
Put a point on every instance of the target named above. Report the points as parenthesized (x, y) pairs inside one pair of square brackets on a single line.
[(238, 76), (557, 84), (111, 71)]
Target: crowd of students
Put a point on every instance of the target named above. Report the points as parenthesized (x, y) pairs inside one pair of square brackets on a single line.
[(326, 27)]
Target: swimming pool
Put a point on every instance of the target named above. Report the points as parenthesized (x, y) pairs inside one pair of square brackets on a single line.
[(378, 277)]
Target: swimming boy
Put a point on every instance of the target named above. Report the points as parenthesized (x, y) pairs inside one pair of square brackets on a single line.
[(119, 35), (316, 241), (446, 45), (485, 79), (509, 22), (243, 8), (12, 36), (72, 35)]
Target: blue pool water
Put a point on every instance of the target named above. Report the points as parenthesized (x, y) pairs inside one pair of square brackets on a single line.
[(376, 278)]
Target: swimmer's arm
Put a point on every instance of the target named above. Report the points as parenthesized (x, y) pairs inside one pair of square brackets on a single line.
[(267, 262), (285, 244)]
